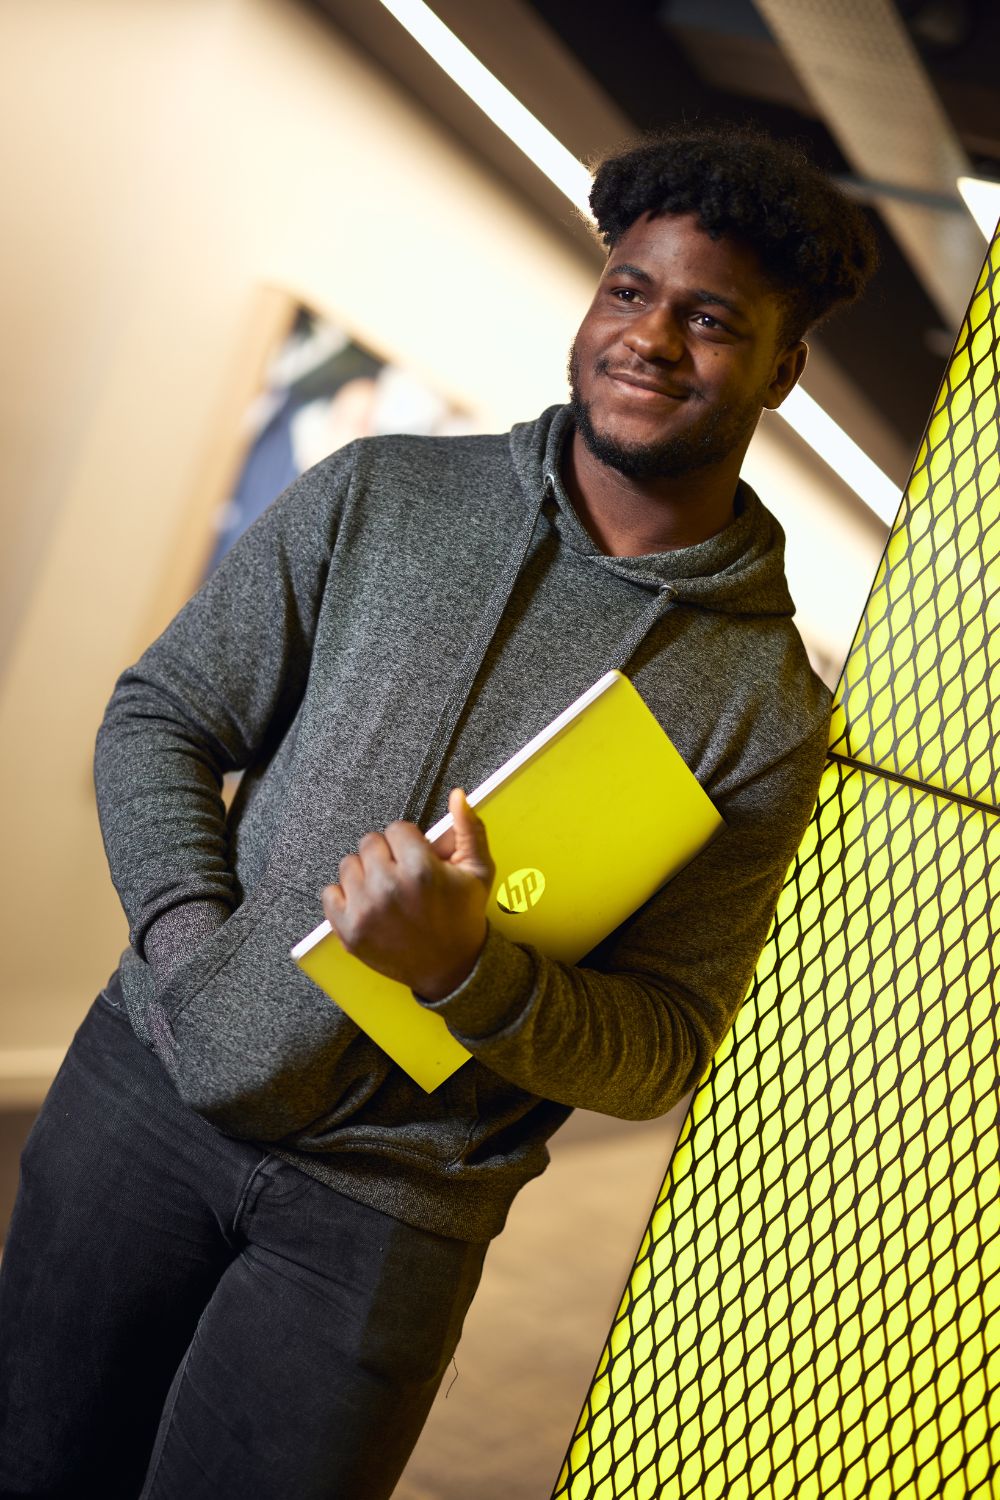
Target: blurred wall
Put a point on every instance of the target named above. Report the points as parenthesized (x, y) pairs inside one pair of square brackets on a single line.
[(168, 161), (176, 170)]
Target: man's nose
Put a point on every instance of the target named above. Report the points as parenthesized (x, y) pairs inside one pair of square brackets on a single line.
[(656, 336)]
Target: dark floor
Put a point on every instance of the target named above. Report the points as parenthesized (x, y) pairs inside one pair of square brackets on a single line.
[(552, 1282)]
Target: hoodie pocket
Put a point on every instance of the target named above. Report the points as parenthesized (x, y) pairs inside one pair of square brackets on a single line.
[(259, 1049), (191, 974)]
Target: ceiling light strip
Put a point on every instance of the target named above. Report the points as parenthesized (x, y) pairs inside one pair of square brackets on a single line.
[(507, 113), (849, 462), (982, 198), (572, 178)]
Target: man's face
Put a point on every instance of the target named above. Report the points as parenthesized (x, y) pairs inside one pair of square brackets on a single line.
[(678, 352)]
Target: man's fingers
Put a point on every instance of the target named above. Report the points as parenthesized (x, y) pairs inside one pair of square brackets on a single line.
[(408, 847), (334, 901), (375, 854)]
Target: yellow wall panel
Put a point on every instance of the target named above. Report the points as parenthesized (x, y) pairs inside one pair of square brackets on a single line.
[(815, 1308), (918, 686)]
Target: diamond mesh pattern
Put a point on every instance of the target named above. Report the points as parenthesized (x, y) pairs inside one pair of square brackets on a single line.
[(915, 698), (815, 1307)]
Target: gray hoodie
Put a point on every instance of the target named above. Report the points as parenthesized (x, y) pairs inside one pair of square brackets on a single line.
[(400, 621)]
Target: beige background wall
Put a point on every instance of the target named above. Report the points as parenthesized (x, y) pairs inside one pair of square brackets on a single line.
[(167, 162), (171, 159)]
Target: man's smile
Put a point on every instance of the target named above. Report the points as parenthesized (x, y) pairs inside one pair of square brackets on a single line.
[(642, 386)]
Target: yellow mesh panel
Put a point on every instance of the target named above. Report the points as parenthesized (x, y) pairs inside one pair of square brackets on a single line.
[(815, 1307), (915, 698)]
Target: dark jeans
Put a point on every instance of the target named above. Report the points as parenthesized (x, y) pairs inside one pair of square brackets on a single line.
[(186, 1317)]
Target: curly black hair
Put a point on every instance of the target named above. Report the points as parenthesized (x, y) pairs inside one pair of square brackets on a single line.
[(813, 243)]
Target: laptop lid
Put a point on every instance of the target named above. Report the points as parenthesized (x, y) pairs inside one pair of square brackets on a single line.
[(584, 823)]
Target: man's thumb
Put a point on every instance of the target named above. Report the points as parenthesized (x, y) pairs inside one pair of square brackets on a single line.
[(472, 850)]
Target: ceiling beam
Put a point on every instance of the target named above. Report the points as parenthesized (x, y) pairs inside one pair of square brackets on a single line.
[(865, 76)]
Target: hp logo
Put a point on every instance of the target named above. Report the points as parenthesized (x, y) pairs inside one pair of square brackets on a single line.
[(520, 891)]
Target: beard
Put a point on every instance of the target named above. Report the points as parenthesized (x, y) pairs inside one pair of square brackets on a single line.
[(709, 440)]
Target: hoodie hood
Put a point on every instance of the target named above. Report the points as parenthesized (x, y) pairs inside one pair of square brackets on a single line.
[(739, 571)]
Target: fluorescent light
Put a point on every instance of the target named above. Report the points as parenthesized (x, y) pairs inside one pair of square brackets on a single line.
[(827, 438), (561, 167), (507, 113), (982, 199)]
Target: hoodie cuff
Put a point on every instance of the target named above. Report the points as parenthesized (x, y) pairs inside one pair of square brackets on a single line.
[(493, 997)]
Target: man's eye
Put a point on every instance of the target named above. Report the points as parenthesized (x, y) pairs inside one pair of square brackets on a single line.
[(710, 324), (625, 294)]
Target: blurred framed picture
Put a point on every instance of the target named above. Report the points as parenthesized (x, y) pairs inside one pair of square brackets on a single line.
[(322, 389)]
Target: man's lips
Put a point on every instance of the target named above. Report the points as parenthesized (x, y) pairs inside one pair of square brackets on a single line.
[(642, 384)]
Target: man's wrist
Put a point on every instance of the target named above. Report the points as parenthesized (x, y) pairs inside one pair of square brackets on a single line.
[(444, 982)]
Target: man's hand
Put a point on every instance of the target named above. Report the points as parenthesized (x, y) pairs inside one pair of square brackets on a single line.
[(413, 912)]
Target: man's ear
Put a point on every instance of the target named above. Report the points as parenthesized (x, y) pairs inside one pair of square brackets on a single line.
[(787, 372)]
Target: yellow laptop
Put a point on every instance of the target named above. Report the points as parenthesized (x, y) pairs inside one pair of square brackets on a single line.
[(585, 822)]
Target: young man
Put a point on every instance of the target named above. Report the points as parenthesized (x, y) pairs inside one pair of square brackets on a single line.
[(246, 1241)]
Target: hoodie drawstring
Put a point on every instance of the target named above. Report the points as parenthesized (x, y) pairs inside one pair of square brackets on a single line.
[(465, 677), (486, 628), (640, 628)]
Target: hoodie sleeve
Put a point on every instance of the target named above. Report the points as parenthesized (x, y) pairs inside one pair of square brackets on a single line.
[(211, 695), (632, 1029)]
